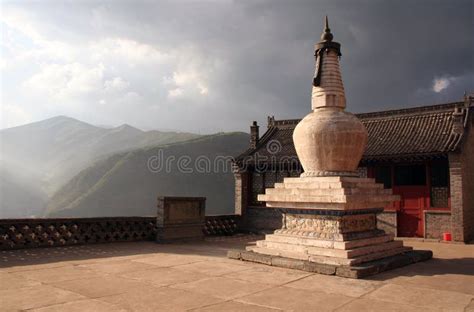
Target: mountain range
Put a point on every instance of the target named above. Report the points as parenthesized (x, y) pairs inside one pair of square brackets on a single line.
[(65, 167)]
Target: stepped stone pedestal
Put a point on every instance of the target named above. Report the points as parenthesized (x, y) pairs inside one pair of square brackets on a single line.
[(329, 220), (330, 227)]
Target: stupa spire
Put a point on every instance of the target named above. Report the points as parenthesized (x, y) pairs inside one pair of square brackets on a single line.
[(326, 36), (328, 89)]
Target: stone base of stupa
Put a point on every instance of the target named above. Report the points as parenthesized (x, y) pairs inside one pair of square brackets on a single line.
[(331, 221)]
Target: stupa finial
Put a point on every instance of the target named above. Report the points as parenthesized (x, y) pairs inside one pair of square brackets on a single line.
[(326, 36), (322, 50), (326, 40)]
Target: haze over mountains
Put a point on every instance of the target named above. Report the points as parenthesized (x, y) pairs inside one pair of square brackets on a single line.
[(124, 185), (40, 161)]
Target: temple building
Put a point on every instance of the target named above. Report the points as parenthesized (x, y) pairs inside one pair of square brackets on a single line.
[(424, 154)]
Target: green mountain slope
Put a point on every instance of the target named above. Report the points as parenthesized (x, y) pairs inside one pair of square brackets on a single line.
[(124, 185)]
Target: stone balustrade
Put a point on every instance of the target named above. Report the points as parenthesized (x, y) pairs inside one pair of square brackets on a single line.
[(31, 233), (221, 225)]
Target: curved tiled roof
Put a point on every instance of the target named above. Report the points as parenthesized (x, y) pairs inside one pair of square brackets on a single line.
[(422, 132)]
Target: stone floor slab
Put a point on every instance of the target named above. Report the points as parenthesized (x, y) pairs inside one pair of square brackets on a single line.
[(441, 274), (58, 274), (160, 299), (214, 268), (450, 282), (268, 275), (35, 297), (164, 276), (335, 285), (222, 287), (372, 305), (290, 299), (422, 297), (100, 286), (12, 281), (233, 306), (89, 305), (168, 260), (116, 267)]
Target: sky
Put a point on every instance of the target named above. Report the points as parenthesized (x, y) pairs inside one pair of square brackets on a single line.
[(211, 66)]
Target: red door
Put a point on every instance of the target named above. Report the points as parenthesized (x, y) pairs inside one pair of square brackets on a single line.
[(409, 181), (413, 200)]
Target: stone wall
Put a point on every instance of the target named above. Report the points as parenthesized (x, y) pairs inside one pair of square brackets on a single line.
[(387, 221), (456, 182), (437, 223), (461, 171), (467, 159)]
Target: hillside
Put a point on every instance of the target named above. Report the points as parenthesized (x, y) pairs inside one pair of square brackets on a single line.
[(53, 151), (59, 147), (122, 185), (20, 195)]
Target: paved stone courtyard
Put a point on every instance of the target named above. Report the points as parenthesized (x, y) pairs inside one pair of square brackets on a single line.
[(144, 276)]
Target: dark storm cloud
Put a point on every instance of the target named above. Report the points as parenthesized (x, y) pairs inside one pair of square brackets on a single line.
[(258, 55)]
